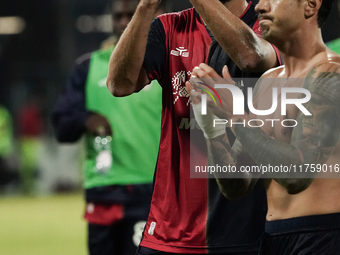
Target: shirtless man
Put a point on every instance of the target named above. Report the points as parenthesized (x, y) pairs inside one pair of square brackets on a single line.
[(303, 213)]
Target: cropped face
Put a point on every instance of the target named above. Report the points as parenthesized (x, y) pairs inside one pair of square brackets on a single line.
[(122, 12), (279, 18)]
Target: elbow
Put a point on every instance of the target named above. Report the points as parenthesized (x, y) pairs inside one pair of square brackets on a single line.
[(251, 64), (255, 61), (119, 88), (296, 186)]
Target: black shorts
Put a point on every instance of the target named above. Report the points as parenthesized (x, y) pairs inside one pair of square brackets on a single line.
[(121, 237), (310, 235)]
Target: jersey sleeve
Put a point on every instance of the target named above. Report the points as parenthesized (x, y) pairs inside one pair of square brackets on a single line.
[(155, 53), (69, 115)]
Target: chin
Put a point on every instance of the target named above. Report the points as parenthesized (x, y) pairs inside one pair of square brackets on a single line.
[(269, 37), (264, 30)]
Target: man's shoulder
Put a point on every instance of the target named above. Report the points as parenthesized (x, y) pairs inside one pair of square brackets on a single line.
[(331, 64), (273, 72), (333, 57)]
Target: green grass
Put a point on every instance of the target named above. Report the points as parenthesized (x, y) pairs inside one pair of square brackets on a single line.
[(42, 226)]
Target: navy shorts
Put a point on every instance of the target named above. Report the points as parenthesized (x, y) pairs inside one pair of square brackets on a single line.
[(310, 235), (120, 238), (123, 236)]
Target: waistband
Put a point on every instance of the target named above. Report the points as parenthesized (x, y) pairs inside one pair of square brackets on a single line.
[(313, 222), (120, 194)]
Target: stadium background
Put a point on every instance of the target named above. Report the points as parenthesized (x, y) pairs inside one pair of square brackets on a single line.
[(38, 46)]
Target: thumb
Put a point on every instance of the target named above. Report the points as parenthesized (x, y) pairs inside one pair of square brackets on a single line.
[(187, 86), (225, 72)]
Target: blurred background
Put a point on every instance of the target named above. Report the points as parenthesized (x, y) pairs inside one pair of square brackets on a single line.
[(41, 200)]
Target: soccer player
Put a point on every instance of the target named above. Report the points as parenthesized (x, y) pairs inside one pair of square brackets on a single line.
[(303, 213), (190, 216), (118, 189)]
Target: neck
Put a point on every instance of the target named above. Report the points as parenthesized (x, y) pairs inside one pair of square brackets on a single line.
[(301, 52)]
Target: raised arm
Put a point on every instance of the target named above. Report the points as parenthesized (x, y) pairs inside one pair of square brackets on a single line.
[(250, 52), (126, 74)]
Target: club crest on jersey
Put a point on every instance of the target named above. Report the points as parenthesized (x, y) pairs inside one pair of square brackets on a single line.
[(180, 51), (178, 86)]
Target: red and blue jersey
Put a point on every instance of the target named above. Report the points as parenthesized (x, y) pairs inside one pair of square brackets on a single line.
[(190, 215)]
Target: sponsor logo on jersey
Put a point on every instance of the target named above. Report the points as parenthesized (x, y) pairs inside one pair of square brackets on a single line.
[(180, 51), (188, 123)]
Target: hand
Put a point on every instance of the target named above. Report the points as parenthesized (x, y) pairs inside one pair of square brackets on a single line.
[(97, 124), (204, 77)]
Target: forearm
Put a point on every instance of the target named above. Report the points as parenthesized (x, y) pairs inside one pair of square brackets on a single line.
[(246, 49), (266, 151), (126, 61), (69, 128), (222, 154)]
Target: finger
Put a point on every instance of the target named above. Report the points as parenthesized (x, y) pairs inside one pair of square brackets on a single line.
[(195, 96), (226, 75), (225, 72), (193, 92), (195, 84), (215, 77), (188, 86), (200, 73), (209, 70)]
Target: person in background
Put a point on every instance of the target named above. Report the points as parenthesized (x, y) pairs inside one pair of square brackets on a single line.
[(7, 173), (335, 44), (122, 145), (31, 128)]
